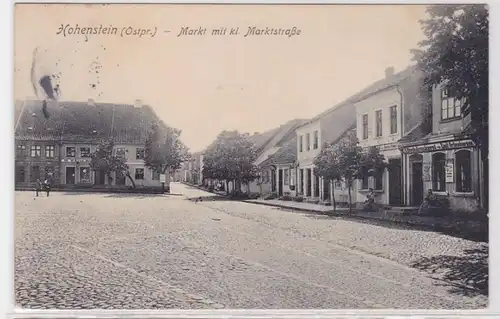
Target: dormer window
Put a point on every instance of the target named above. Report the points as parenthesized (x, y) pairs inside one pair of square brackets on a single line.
[(450, 107)]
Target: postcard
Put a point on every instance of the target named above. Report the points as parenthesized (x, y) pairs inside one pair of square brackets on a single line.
[(243, 156)]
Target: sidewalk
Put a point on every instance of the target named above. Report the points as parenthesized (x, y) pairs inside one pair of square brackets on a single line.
[(436, 223)]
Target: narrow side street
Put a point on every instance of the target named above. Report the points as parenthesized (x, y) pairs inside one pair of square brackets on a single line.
[(124, 251)]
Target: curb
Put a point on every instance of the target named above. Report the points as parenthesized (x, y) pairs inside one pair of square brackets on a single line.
[(310, 210)]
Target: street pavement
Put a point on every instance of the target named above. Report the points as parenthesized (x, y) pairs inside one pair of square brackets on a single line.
[(130, 251)]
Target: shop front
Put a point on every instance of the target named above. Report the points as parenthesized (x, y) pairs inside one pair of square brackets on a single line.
[(449, 167)]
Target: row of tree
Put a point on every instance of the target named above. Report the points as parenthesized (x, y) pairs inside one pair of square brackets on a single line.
[(163, 152)]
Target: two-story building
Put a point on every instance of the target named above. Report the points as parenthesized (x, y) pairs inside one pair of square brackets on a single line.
[(327, 127), (441, 156), (76, 128), (385, 112)]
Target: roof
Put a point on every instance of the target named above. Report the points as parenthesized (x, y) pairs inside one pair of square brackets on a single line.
[(417, 134), (369, 90), (286, 154), (81, 121)]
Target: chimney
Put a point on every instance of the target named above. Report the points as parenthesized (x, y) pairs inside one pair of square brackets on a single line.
[(91, 102), (389, 72), (138, 103)]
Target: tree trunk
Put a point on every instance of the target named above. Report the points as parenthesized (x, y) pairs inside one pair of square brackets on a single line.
[(332, 189), (349, 191), (131, 179)]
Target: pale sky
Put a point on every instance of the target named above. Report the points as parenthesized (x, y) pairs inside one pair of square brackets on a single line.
[(205, 84)]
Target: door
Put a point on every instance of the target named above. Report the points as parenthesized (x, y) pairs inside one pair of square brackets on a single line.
[(417, 184), (99, 178), (316, 185), (280, 182), (120, 179), (301, 181), (70, 175), (309, 180), (395, 182), (273, 181), (326, 190)]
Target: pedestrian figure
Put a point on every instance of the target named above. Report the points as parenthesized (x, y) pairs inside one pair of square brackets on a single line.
[(428, 203), (46, 186), (369, 204), (38, 187)]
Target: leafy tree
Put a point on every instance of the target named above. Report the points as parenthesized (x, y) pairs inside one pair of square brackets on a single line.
[(230, 158), (164, 151), (105, 161), (455, 54), (344, 160)]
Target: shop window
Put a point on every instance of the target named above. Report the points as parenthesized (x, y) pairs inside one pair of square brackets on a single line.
[(139, 173), (463, 174), (438, 172), (84, 175)]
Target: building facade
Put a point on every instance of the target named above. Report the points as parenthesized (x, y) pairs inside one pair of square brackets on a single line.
[(385, 112), (446, 160), (62, 145)]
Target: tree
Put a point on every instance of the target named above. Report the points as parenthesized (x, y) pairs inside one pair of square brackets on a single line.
[(164, 151), (455, 54), (105, 161), (344, 160), (230, 158)]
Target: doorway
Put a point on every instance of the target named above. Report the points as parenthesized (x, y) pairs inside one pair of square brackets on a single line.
[(70, 175), (395, 182), (417, 183), (326, 190), (273, 180), (309, 180), (100, 177), (280, 183), (316, 185)]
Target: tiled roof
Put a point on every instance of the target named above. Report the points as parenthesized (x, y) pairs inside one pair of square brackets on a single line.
[(371, 89), (263, 141), (286, 154), (81, 121)]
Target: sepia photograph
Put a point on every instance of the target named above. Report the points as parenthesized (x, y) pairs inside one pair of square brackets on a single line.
[(251, 156)]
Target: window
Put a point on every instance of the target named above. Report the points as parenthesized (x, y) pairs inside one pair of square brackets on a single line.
[(463, 171), (139, 153), (378, 181), (139, 173), (35, 173), (50, 151), (301, 143), (84, 175), (394, 119), (286, 177), (20, 174), (308, 141), (121, 153), (365, 178), (21, 150), (155, 174), (438, 172), (36, 150), (378, 119), (450, 107), (85, 151), (70, 151), (365, 126), (315, 143)]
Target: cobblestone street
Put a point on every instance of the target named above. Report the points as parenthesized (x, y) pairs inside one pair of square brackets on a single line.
[(128, 251)]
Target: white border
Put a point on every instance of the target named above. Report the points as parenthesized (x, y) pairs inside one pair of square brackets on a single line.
[(6, 193)]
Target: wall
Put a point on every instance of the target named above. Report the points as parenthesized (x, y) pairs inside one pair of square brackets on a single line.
[(459, 202), (414, 101), (306, 158), (444, 126), (29, 162)]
